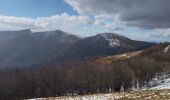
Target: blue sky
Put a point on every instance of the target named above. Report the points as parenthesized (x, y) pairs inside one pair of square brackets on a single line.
[(136, 20), (34, 8)]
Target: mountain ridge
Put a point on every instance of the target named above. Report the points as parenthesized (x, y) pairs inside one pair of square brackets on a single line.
[(27, 48)]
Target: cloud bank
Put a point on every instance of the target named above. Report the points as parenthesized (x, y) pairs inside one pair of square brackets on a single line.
[(139, 13)]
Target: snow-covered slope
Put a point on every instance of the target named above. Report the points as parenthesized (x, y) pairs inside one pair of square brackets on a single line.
[(113, 41), (163, 82)]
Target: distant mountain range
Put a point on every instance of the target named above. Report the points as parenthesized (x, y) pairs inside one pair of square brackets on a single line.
[(25, 48)]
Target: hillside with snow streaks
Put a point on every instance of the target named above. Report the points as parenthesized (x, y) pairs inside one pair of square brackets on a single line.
[(113, 42), (162, 82)]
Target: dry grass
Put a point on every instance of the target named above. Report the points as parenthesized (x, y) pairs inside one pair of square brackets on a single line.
[(121, 57), (132, 95)]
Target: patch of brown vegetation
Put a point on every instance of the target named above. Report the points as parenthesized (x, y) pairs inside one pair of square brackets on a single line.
[(121, 57)]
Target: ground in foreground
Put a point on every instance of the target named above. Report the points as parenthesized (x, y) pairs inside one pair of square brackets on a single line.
[(132, 95)]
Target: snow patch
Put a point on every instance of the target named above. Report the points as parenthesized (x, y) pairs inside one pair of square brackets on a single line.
[(164, 84), (113, 42), (166, 49), (160, 83)]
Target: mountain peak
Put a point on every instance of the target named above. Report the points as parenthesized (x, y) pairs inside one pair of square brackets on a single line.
[(113, 39)]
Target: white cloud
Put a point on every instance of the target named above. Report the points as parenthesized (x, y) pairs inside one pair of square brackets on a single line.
[(62, 21), (11, 22), (108, 22), (78, 24)]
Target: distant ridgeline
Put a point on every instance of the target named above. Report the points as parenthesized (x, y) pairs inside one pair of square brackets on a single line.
[(32, 49)]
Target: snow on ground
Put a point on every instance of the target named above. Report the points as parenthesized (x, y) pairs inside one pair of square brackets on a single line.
[(159, 83), (157, 89), (166, 49), (163, 83), (131, 95), (112, 41)]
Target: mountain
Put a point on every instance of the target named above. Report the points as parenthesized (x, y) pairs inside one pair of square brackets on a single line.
[(25, 48), (102, 45)]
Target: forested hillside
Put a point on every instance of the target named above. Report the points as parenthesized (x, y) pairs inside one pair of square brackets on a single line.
[(84, 76)]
